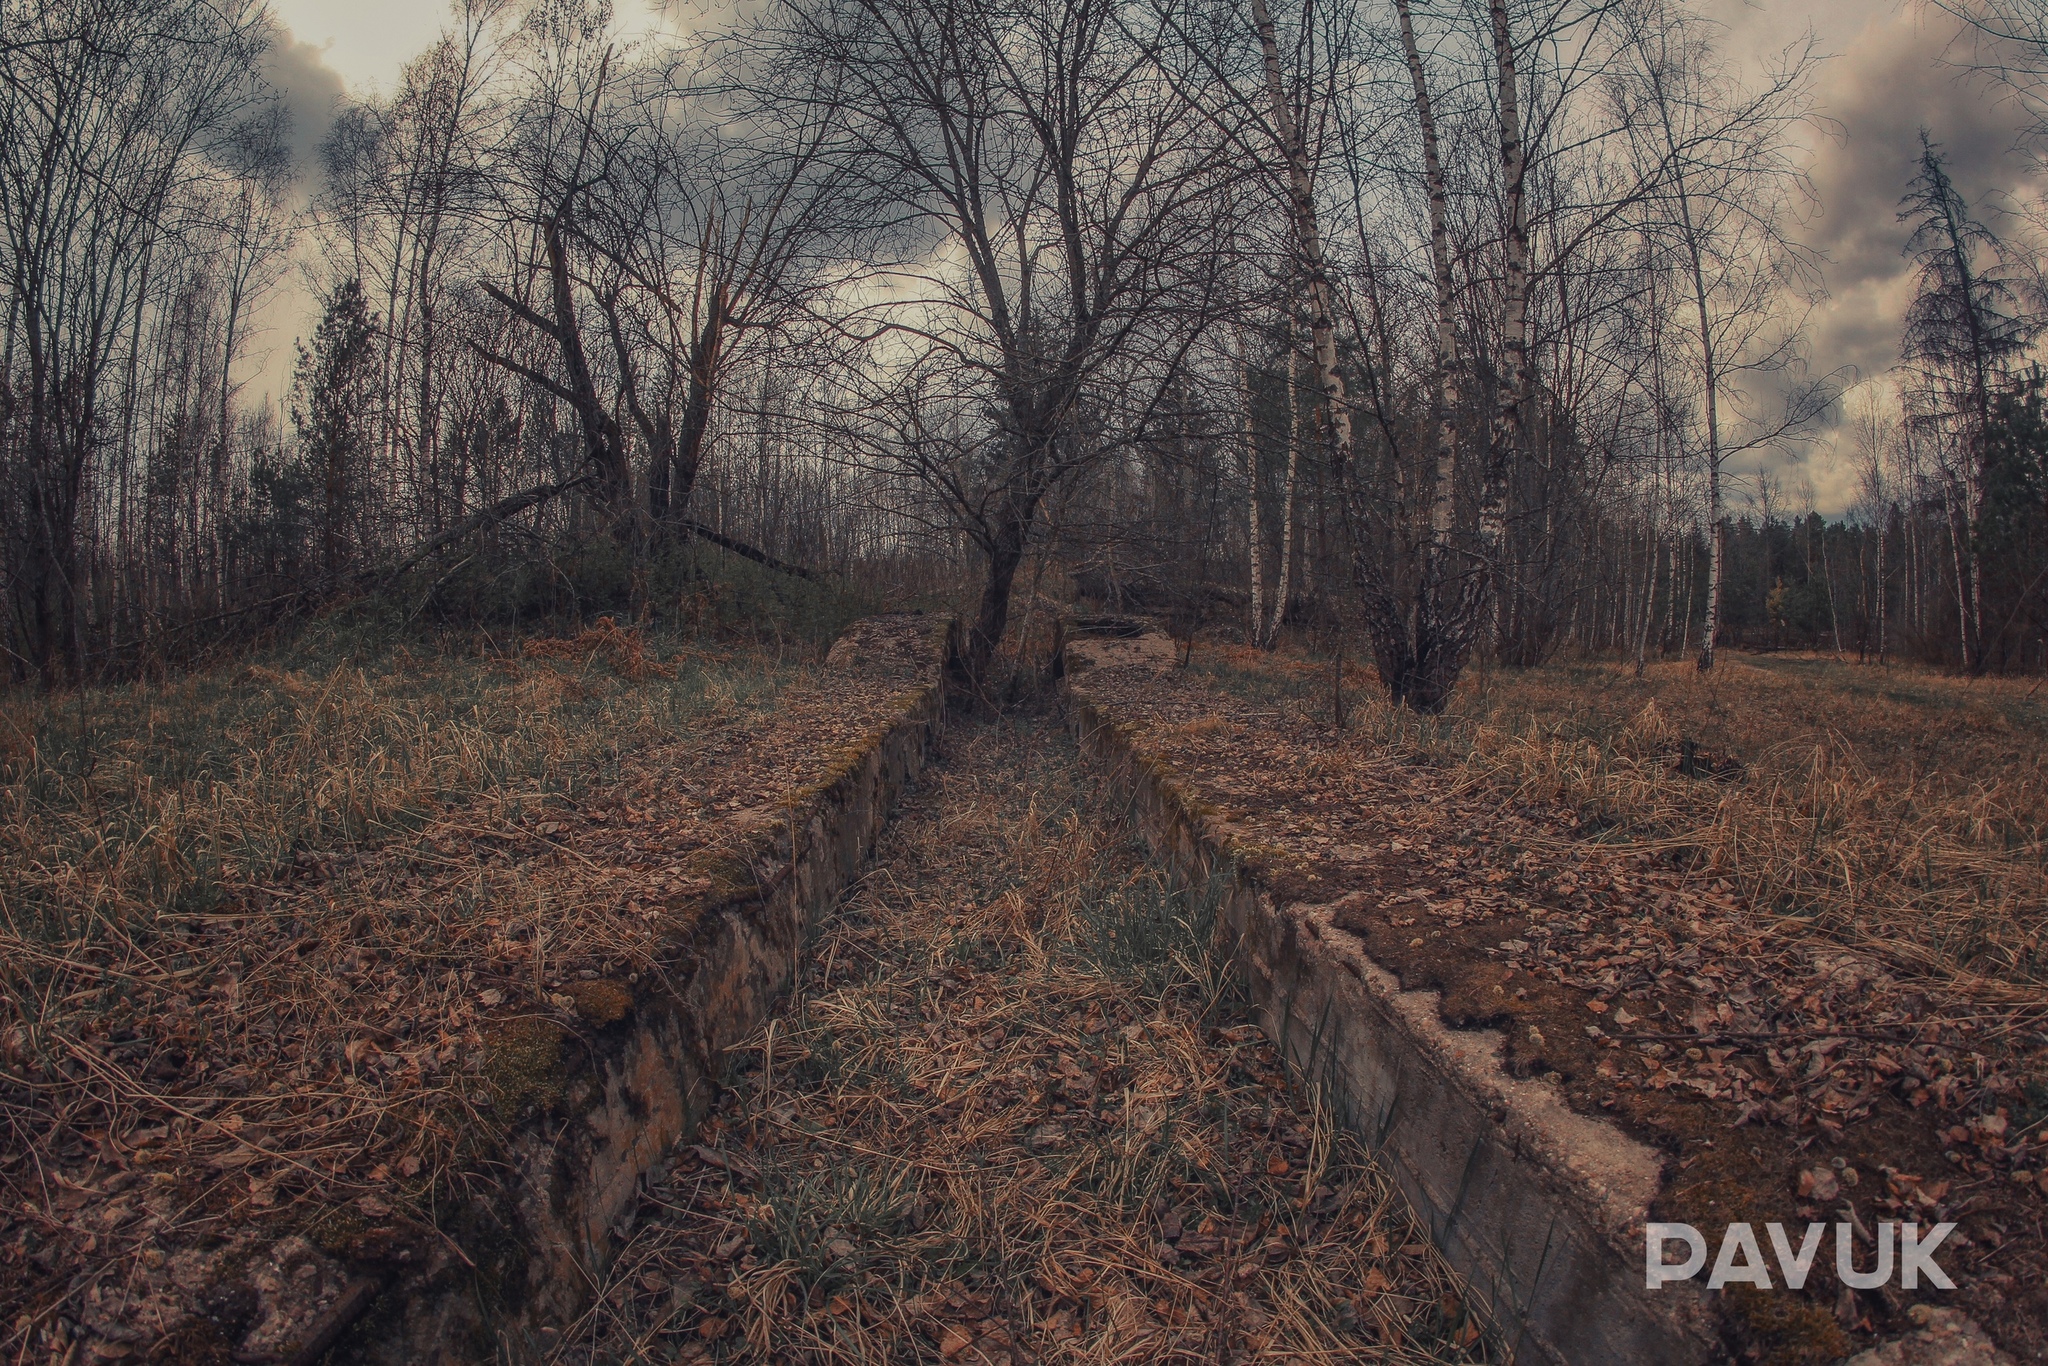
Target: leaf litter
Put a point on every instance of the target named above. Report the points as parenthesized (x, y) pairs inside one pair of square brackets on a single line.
[(310, 1053), (1654, 945)]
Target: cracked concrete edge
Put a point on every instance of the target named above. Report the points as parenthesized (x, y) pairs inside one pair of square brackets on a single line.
[(1540, 1209), (650, 1080)]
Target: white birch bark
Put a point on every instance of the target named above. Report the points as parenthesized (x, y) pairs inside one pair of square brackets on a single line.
[(1287, 491), (1308, 237)]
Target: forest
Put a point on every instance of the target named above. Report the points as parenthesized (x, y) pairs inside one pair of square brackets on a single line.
[(1466, 331), (995, 681)]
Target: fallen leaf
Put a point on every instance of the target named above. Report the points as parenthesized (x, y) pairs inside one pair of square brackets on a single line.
[(1818, 1183)]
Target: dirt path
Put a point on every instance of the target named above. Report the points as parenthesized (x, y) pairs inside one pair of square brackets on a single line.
[(1013, 1114)]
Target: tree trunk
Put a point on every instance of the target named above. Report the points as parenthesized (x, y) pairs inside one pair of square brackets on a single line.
[(1255, 534), (1883, 530), (1287, 491), (1309, 238), (1510, 417), (1710, 378), (1692, 576), (1446, 335), (1834, 617), (1005, 553)]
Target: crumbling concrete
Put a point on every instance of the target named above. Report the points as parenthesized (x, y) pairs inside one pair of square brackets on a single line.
[(1540, 1209)]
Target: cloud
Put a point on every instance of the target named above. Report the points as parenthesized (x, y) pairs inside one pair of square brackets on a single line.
[(312, 92), (1899, 75), (1897, 68)]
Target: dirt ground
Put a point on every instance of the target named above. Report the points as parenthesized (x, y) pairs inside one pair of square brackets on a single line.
[(1012, 1115), (1635, 899)]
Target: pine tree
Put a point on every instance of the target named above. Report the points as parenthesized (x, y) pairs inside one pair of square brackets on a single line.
[(1963, 331), (335, 383)]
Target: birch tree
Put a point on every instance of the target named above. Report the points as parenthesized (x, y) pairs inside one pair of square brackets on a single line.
[(1726, 182)]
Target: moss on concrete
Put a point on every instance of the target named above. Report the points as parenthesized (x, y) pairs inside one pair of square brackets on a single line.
[(1785, 1330), (523, 1067), (601, 1003)]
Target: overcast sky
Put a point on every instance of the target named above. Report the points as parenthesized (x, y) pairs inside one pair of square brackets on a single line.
[(1892, 68)]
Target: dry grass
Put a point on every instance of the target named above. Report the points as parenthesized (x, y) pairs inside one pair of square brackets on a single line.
[(1901, 811), (1007, 1119), (253, 940), (133, 802)]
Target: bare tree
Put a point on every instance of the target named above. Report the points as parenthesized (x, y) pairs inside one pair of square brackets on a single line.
[(1963, 331), (114, 121), (717, 238), (1727, 179), (1058, 209)]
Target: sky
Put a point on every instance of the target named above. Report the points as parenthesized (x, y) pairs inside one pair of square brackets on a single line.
[(361, 43), (1893, 66), (1892, 69)]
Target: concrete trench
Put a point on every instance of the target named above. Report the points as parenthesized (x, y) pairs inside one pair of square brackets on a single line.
[(576, 1182), (648, 1077), (1539, 1209), (1530, 1203)]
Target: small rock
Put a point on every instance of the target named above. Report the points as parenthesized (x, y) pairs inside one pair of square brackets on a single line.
[(294, 1283), (1945, 1338)]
